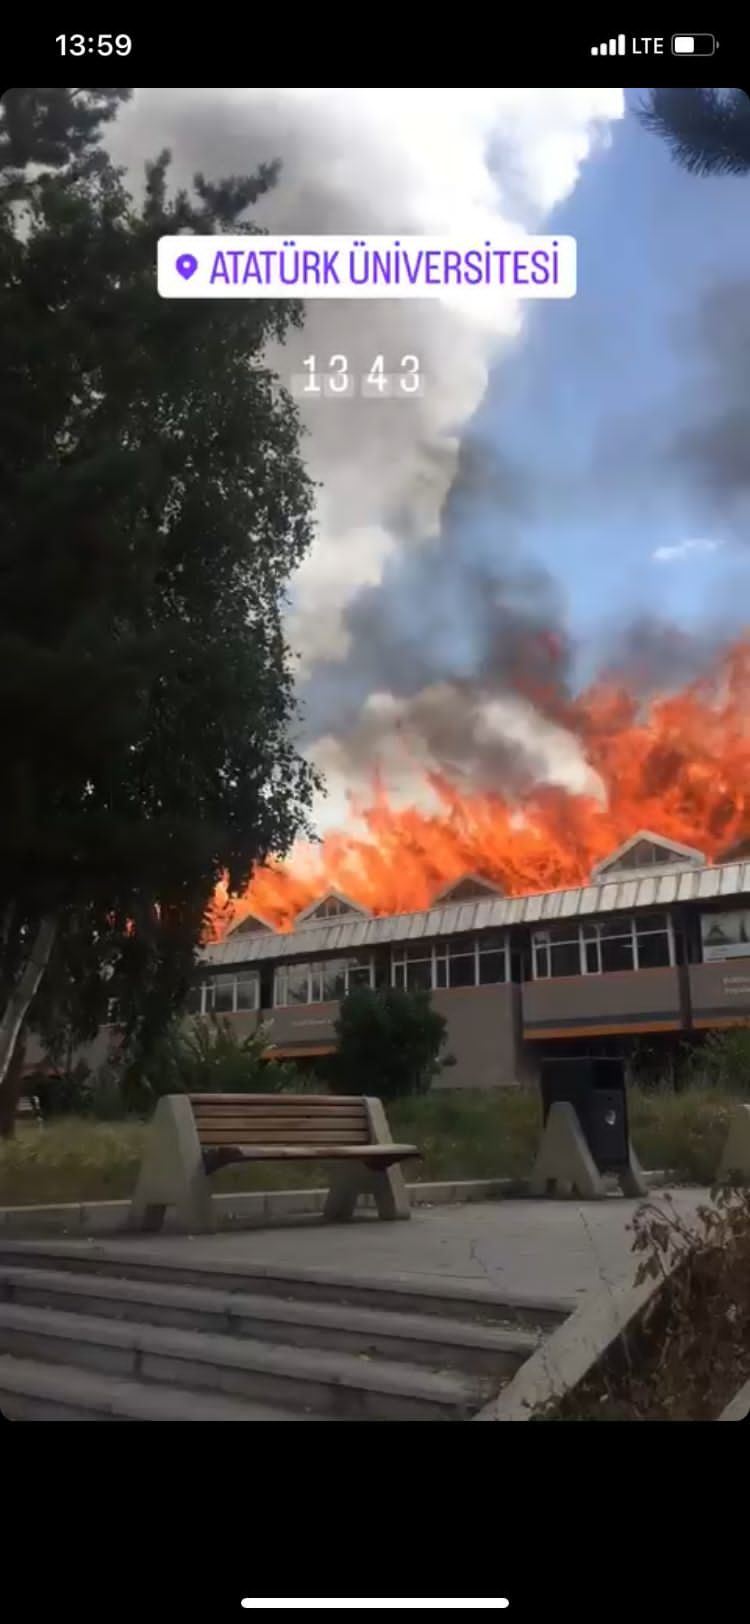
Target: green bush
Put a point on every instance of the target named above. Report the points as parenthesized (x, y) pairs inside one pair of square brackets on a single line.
[(388, 1043), (723, 1061), (206, 1056)]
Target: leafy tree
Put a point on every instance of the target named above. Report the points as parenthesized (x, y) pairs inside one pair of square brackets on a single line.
[(708, 131), (153, 506), (388, 1043), (51, 127)]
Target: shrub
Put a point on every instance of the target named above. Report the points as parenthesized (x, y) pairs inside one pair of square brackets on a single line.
[(389, 1043), (689, 1353), (723, 1061), (207, 1056)]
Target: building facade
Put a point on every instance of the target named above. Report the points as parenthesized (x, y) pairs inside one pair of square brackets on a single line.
[(658, 943)]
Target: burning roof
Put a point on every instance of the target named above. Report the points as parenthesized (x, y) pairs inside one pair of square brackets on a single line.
[(678, 764)]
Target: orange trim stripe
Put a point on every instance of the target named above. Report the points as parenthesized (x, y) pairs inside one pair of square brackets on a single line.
[(301, 1051), (611, 1028)]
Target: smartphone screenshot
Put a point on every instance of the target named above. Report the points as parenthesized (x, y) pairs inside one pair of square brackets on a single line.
[(375, 682)]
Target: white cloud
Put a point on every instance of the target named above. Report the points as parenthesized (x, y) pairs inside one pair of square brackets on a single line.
[(684, 549)]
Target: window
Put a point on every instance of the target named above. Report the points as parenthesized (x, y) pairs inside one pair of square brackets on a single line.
[(460, 961), (653, 941), (324, 981), (493, 959), (247, 992), (225, 993), (603, 947)]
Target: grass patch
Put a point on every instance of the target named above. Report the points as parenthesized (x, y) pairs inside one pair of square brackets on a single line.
[(462, 1134)]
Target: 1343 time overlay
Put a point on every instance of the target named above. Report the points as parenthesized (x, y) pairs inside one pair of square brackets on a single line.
[(334, 379)]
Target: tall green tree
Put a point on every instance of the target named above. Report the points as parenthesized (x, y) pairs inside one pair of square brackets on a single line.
[(153, 506), (708, 131)]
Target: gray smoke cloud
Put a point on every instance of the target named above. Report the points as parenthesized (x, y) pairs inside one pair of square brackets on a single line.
[(415, 650)]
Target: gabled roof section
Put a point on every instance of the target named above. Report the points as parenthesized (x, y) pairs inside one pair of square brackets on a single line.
[(645, 851), (467, 888), (251, 925), (333, 906)]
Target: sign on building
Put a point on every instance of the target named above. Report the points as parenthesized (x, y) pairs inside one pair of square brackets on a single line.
[(726, 935)]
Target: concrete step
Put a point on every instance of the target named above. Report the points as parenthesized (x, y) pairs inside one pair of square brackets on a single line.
[(478, 1302), (33, 1391), (425, 1339), (322, 1381)]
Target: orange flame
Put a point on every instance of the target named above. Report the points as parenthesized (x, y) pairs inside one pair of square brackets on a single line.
[(679, 765)]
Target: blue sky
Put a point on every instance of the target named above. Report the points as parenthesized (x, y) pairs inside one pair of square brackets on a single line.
[(588, 403)]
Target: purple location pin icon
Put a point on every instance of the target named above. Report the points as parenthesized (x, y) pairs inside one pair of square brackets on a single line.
[(187, 265)]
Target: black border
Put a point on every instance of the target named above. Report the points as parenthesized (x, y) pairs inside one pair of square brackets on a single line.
[(590, 1521), (222, 47)]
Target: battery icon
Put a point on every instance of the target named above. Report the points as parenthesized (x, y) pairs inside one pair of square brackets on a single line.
[(693, 44)]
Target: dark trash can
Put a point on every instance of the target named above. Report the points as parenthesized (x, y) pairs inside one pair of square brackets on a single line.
[(596, 1090)]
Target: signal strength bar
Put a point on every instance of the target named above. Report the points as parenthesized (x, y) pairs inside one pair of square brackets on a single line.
[(613, 47)]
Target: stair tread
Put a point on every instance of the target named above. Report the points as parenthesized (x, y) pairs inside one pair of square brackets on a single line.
[(430, 1328), (137, 1401), (343, 1369), (119, 1255)]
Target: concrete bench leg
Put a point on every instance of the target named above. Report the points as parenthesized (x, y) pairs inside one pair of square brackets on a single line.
[(735, 1160), (386, 1185), (564, 1160), (172, 1172)]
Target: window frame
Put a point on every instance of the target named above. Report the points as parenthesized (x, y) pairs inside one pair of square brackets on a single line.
[(440, 953), (542, 942), (252, 976), (316, 970)]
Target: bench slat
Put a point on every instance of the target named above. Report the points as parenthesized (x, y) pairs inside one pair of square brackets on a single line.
[(284, 1124), (313, 1118), (317, 1153), (293, 1101), (220, 1136)]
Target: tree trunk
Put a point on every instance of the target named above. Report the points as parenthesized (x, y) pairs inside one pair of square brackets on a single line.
[(12, 1020)]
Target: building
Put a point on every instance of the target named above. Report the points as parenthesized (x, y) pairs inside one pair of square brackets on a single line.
[(658, 942)]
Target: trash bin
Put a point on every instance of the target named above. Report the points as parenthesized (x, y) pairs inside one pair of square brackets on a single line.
[(596, 1090)]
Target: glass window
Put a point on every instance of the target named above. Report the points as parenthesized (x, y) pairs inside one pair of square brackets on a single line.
[(541, 960), (649, 922), (333, 974), (399, 974), (441, 973), (617, 953), (194, 1003), (491, 968), (565, 958), (419, 975), (462, 967), (653, 950), (247, 991), (615, 927), (297, 980), (359, 973), (382, 976), (220, 995), (591, 957)]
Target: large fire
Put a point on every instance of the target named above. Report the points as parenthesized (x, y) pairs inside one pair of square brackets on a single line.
[(678, 765)]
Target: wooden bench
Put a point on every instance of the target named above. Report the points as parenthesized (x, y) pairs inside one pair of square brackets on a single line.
[(193, 1135)]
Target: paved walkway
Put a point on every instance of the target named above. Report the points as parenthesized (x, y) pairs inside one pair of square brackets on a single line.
[(530, 1248)]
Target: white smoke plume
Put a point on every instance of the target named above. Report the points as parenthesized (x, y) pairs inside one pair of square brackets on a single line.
[(465, 162)]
